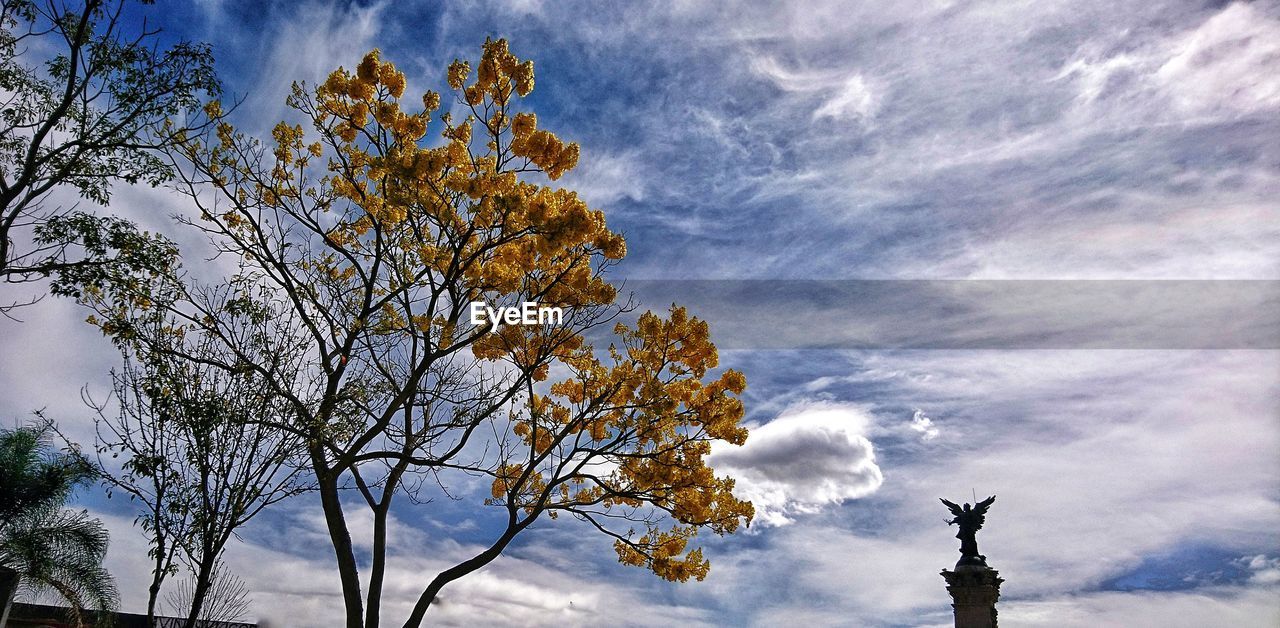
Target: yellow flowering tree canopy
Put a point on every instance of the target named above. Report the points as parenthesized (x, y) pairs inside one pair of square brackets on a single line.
[(361, 244)]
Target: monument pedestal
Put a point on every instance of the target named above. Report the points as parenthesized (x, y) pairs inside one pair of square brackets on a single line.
[(974, 591)]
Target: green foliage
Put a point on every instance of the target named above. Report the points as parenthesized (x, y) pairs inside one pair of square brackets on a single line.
[(31, 477), (52, 548), (114, 254), (97, 111), (198, 457)]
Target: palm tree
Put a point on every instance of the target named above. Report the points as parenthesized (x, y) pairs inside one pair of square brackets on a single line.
[(50, 547)]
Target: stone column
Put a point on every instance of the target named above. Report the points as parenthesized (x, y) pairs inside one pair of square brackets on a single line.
[(974, 590)]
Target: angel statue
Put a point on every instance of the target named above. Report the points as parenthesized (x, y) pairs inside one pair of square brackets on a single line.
[(970, 521)]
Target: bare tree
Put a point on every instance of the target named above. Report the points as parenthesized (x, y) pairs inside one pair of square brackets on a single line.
[(226, 600), (200, 455)]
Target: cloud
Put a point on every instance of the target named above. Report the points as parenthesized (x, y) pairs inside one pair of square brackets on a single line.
[(1218, 606), (1040, 141), (790, 80), (1077, 443), (1263, 569), (603, 179), (295, 584), (924, 425), (854, 99), (1229, 240), (308, 41), (1102, 461), (1230, 63), (1222, 68), (811, 456), (847, 93)]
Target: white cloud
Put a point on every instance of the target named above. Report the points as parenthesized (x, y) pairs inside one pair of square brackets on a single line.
[(1182, 241), (811, 456), (790, 80), (1227, 65), (848, 94), (602, 179), (1125, 453), (306, 45), (1117, 455), (299, 587), (1264, 570), (924, 425), (854, 99), (1092, 75), (1222, 606), (1230, 63)]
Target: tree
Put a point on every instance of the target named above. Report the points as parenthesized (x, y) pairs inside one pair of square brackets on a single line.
[(50, 547), (360, 249), (200, 457), (95, 113), (226, 600)]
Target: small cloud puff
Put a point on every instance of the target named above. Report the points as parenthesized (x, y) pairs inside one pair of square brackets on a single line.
[(854, 99), (923, 425), (811, 456), (1264, 570)]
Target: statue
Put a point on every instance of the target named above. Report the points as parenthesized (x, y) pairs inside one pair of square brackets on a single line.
[(970, 521)]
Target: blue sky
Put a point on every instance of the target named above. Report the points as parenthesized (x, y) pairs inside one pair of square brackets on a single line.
[(853, 141)]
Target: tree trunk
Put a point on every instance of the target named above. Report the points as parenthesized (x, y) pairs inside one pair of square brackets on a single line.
[(459, 570), (378, 568), (204, 580), (340, 536), (157, 580), (153, 592), (8, 587)]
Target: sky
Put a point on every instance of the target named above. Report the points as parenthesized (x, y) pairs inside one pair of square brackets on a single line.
[(847, 192)]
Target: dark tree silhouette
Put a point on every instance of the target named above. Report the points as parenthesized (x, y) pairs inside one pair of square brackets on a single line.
[(92, 114)]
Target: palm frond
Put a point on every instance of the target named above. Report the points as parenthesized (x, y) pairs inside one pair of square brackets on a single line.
[(53, 549)]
